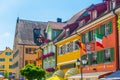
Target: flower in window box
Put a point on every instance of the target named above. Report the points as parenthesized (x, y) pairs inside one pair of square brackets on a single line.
[(51, 54), (46, 40), (43, 56), (50, 69), (47, 55)]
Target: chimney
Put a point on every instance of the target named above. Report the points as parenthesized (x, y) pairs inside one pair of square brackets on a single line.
[(59, 20)]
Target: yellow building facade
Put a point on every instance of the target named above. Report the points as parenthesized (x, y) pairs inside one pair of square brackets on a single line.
[(67, 53), (6, 61)]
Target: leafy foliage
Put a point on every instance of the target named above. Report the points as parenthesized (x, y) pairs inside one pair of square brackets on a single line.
[(32, 72), (5, 74)]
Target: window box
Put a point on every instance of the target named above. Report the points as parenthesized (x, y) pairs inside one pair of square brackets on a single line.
[(50, 69)]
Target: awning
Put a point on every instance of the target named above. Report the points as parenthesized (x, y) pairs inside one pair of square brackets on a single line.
[(1, 76), (71, 72), (55, 78), (59, 73), (114, 75), (89, 75)]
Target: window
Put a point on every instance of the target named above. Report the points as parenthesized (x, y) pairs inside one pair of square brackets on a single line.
[(2, 66), (10, 66), (8, 53), (91, 35), (63, 49), (10, 74), (103, 56), (49, 48), (94, 14), (86, 38), (82, 23), (69, 47), (54, 34), (59, 51), (10, 59), (106, 28), (2, 59), (36, 34), (94, 58), (28, 50), (109, 55), (67, 32), (75, 45)]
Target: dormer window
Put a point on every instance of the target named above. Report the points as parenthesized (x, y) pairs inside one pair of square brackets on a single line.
[(111, 4), (67, 32), (94, 14), (82, 23), (38, 38)]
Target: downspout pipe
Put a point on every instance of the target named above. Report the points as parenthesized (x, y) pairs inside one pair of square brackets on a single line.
[(117, 40)]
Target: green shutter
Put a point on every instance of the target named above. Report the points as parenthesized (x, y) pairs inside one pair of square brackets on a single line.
[(83, 38), (102, 30), (98, 57), (110, 27), (89, 59), (102, 54), (89, 36), (97, 31), (111, 54)]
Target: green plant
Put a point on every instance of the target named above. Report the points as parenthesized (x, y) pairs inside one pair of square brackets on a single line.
[(32, 72), (5, 74)]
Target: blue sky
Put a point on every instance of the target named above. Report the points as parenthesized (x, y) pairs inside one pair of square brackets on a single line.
[(36, 10)]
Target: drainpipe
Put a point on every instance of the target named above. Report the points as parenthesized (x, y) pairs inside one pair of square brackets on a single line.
[(117, 41)]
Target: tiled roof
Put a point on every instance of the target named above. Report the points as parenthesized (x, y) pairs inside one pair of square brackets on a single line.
[(56, 25), (25, 30), (70, 22), (75, 17)]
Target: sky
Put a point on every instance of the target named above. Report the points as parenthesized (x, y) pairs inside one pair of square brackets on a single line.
[(35, 10)]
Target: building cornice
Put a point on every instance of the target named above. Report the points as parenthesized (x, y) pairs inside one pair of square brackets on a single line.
[(96, 22)]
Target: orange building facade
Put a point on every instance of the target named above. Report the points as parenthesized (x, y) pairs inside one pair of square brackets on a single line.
[(39, 59), (109, 43)]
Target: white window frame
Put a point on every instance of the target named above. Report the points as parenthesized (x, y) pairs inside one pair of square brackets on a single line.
[(94, 14)]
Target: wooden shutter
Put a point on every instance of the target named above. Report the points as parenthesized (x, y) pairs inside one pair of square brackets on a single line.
[(102, 54), (89, 59), (111, 54), (97, 30), (110, 27), (102, 30), (98, 57), (83, 38), (89, 36)]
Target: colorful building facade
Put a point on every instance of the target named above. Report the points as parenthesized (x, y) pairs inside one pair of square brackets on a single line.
[(49, 49), (67, 48), (6, 61), (26, 43), (67, 53), (101, 60)]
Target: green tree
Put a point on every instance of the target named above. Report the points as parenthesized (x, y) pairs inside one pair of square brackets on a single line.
[(32, 72), (5, 74)]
